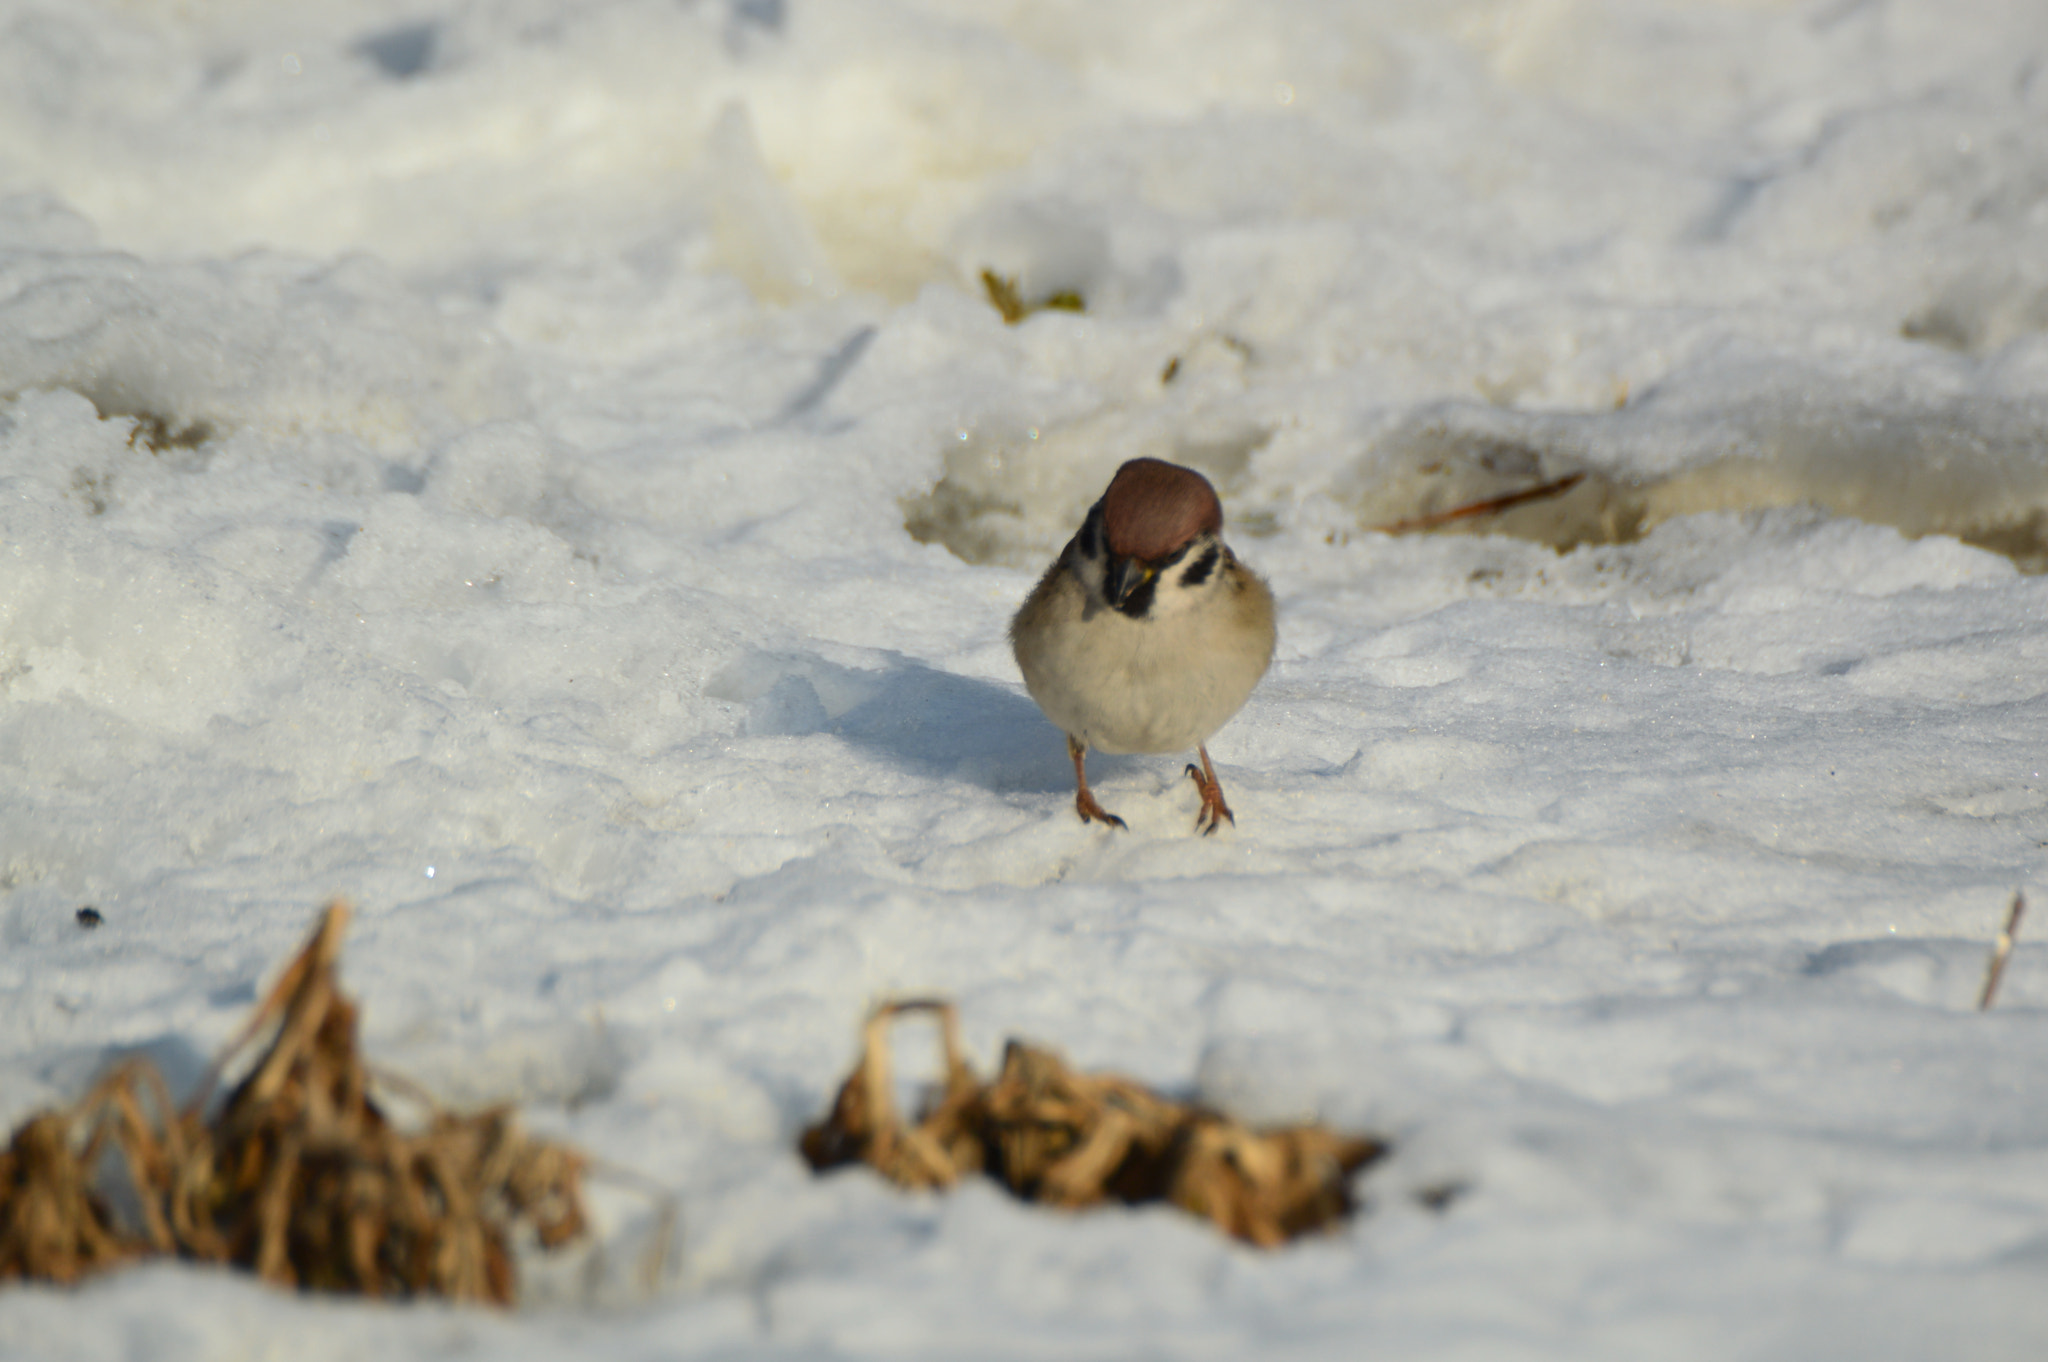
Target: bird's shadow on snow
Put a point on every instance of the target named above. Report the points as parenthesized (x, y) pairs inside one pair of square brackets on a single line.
[(907, 713)]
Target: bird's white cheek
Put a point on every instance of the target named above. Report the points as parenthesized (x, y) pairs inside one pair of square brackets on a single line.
[(1173, 603)]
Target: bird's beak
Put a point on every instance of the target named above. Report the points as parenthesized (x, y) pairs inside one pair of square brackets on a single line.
[(1125, 575)]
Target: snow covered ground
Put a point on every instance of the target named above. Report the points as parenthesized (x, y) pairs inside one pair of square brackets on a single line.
[(547, 471)]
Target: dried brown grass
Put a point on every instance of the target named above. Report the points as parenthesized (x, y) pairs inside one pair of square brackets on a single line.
[(299, 1176), (1055, 1135)]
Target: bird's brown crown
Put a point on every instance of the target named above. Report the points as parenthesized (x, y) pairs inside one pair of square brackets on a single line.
[(1153, 508)]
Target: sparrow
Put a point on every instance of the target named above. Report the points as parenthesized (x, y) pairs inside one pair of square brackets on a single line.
[(1146, 634)]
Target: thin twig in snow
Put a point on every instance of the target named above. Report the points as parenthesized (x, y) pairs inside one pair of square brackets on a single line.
[(2001, 950), (1554, 488)]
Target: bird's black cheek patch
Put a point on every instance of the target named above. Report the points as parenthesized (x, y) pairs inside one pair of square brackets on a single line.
[(1199, 570), (1091, 534)]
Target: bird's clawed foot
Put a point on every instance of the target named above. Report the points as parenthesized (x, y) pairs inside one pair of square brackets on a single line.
[(1091, 811), (1214, 810), (1084, 802)]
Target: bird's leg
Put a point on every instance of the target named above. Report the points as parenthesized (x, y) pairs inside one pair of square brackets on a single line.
[(1214, 810), (1083, 801)]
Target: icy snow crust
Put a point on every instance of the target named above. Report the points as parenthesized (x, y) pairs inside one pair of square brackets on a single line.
[(546, 471)]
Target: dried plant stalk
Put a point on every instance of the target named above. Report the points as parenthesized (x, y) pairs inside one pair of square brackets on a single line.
[(2001, 951), (1556, 487), (299, 1177), (1074, 1139), (864, 1126), (52, 1225), (1271, 1186), (1054, 1135)]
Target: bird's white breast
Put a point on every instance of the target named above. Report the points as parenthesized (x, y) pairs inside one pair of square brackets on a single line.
[(1163, 683)]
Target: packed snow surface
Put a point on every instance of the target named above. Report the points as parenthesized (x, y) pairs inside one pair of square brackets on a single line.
[(550, 472)]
